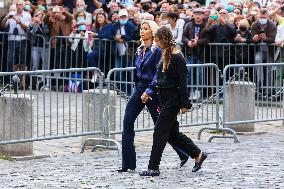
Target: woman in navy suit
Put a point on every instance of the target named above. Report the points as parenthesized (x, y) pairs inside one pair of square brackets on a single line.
[(148, 56)]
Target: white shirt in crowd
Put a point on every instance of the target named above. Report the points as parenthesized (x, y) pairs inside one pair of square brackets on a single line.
[(25, 18), (178, 30)]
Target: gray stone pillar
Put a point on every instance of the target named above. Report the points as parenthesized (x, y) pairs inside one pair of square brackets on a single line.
[(92, 112), (16, 123), (240, 105)]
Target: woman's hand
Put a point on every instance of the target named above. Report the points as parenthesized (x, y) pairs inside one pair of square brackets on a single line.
[(183, 110), (145, 97)]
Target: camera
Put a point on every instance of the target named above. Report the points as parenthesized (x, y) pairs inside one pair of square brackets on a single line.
[(15, 31), (261, 31)]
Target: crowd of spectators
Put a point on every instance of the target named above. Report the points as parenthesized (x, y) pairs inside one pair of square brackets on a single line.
[(193, 24)]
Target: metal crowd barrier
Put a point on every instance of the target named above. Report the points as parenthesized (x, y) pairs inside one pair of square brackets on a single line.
[(69, 107), (205, 111), (223, 54), (79, 52), (23, 52), (262, 87)]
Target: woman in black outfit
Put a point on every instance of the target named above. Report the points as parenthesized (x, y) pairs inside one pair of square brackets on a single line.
[(172, 91)]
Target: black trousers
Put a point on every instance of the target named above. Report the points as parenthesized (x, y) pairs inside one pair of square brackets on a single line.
[(133, 109), (167, 130)]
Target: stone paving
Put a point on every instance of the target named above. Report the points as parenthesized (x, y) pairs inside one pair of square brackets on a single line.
[(256, 162)]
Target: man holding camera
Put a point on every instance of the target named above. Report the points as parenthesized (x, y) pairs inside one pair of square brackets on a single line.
[(195, 38), (17, 23), (264, 31)]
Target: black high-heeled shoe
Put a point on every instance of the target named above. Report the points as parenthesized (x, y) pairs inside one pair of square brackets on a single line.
[(197, 165), (150, 173)]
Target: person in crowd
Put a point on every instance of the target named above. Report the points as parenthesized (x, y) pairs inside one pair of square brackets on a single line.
[(80, 19), (238, 5), (148, 56), (279, 55), (114, 18), (236, 21), (100, 53), (172, 91), (81, 8), (165, 7), (17, 23), (146, 6), (4, 40), (122, 32), (163, 19), (237, 12), (264, 31), (175, 29), (59, 22), (157, 16), (28, 7), (113, 7), (243, 35), (220, 31), (195, 38), (79, 46), (39, 53), (180, 22)]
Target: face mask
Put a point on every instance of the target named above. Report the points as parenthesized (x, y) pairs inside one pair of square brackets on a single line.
[(243, 28), (94, 18), (182, 16), (122, 22), (164, 22), (82, 28), (230, 8), (185, 5), (263, 21), (146, 7), (80, 18), (27, 8), (245, 11), (80, 9)]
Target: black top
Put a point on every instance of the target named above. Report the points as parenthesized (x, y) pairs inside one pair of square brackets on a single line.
[(175, 78)]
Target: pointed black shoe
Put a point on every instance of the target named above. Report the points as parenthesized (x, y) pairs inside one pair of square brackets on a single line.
[(197, 165), (183, 162), (123, 170), (151, 173)]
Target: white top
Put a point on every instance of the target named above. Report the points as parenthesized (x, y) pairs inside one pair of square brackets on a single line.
[(25, 18), (279, 38), (177, 32)]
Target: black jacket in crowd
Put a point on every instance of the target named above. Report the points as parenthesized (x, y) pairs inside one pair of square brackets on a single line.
[(203, 39)]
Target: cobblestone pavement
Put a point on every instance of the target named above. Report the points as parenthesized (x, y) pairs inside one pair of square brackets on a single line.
[(256, 162)]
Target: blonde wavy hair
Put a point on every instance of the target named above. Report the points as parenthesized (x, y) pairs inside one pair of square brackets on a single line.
[(153, 27)]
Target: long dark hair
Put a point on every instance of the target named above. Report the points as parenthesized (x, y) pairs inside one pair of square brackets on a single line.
[(165, 37), (96, 24)]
